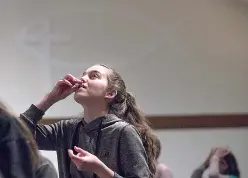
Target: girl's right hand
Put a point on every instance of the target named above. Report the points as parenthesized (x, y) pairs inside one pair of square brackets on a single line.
[(64, 88), (61, 90), (221, 152)]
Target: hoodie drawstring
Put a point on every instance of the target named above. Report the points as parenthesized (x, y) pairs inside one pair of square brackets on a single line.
[(99, 134)]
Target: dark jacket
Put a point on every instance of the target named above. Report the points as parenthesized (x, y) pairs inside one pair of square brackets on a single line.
[(15, 153), (119, 144)]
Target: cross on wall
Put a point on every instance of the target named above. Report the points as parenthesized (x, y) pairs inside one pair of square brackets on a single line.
[(45, 39)]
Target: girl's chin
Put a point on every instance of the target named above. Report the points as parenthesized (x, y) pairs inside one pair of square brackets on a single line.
[(79, 96)]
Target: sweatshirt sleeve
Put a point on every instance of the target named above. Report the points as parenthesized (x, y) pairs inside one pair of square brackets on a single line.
[(197, 173), (132, 155), (47, 136), (46, 169)]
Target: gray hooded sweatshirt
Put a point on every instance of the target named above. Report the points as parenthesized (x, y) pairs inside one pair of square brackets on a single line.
[(116, 143)]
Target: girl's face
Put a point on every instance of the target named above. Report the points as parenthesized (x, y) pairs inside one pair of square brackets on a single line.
[(94, 84), (223, 166)]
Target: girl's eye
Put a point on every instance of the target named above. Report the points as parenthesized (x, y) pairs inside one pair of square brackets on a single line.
[(94, 75)]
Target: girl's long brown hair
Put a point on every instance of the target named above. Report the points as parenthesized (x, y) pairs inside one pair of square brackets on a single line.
[(124, 106)]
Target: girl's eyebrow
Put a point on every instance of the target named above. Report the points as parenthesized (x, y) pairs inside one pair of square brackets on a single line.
[(93, 71)]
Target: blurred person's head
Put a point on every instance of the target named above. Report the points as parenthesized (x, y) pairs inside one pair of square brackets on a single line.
[(228, 165), (7, 114)]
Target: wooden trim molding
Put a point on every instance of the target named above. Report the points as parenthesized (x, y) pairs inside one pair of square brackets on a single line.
[(188, 121), (199, 121)]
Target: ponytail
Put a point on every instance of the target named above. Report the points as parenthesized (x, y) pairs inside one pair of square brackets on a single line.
[(135, 117), (124, 106)]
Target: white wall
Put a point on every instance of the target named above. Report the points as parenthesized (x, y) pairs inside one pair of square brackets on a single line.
[(177, 57)]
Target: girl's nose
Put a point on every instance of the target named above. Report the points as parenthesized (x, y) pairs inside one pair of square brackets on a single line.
[(83, 79)]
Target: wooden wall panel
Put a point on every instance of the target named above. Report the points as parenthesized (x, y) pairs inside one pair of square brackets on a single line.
[(189, 121)]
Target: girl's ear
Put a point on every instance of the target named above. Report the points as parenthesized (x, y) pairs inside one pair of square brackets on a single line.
[(111, 94)]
